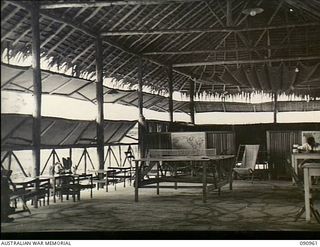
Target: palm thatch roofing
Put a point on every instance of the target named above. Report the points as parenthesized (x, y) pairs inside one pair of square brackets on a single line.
[(16, 132), (19, 79), (217, 44)]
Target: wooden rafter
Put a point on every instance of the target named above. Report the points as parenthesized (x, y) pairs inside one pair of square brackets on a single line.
[(246, 61), (215, 15), (204, 30), (90, 4)]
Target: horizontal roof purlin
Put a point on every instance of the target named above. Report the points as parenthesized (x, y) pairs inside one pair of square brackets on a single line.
[(16, 78), (286, 32), (16, 132)]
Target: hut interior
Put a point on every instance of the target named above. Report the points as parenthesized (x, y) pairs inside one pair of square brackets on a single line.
[(192, 61)]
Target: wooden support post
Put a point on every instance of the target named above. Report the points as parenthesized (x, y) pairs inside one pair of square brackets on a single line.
[(204, 182), (136, 183), (9, 160), (275, 107), (99, 94), (85, 160), (192, 102), (36, 128), (141, 120), (170, 86), (159, 164)]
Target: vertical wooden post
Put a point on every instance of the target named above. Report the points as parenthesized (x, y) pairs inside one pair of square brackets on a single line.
[(275, 107), (99, 94), (36, 128), (192, 102), (9, 160), (141, 120), (170, 86), (229, 13)]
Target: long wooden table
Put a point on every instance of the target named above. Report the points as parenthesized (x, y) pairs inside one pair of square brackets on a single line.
[(296, 157), (309, 170), (202, 161)]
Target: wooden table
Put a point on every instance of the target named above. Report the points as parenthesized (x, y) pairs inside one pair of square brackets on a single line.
[(202, 161), (105, 173), (309, 170), (296, 157)]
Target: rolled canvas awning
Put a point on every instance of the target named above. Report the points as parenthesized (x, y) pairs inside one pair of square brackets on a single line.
[(16, 132)]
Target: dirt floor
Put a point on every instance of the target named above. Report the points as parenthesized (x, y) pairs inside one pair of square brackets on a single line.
[(262, 206)]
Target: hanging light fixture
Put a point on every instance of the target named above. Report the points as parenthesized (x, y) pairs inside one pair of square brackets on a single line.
[(252, 11)]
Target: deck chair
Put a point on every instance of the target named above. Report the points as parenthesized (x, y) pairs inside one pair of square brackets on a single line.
[(300, 185), (246, 165)]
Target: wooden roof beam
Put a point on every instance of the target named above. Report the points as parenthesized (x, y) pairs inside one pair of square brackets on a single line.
[(204, 30), (90, 4), (109, 42), (246, 61), (185, 17), (190, 52)]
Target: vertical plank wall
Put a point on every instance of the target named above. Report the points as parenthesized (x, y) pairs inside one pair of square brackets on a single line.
[(279, 145)]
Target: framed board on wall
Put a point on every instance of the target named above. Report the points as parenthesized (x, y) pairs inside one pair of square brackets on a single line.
[(188, 140), (306, 134)]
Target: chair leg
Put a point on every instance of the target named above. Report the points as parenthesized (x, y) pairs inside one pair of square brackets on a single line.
[(301, 211), (315, 213)]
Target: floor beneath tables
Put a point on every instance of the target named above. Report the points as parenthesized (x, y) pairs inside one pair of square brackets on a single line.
[(262, 206)]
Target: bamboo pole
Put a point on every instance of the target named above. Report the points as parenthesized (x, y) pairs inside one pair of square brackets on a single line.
[(227, 29), (192, 102), (90, 4), (170, 86), (141, 120), (36, 128), (99, 94), (253, 61), (275, 107), (193, 52)]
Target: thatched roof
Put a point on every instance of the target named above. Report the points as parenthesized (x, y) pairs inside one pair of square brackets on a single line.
[(210, 42), (19, 79), (16, 132)]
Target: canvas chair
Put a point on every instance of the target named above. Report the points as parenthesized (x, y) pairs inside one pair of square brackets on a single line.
[(300, 185), (246, 166)]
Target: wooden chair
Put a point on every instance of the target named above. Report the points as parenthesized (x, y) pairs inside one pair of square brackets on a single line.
[(300, 185), (66, 184), (26, 191), (85, 181), (246, 160)]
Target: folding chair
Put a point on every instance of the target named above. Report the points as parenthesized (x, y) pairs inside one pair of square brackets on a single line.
[(246, 166)]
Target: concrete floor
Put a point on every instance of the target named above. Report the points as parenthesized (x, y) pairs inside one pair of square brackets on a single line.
[(262, 206)]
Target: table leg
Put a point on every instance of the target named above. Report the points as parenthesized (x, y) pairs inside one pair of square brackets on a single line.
[(136, 185), (307, 192), (293, 164), (158, 184), (54, 189), (231, 175), (204, 181), (175, 175)]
